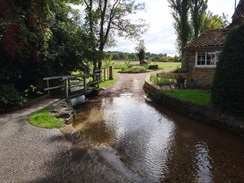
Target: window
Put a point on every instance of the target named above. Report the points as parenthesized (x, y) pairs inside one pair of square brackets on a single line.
[(206, 58)]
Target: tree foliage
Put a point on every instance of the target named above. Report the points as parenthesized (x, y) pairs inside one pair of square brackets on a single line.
[(228, 84), (211, 21)]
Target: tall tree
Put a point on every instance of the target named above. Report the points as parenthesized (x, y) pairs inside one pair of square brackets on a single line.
[(198, 9), (180, 10), (105, 18)]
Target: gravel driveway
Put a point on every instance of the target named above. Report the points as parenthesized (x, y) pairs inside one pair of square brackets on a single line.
[(25, 150)]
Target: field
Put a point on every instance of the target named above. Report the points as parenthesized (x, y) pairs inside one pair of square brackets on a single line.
[(161, 65)]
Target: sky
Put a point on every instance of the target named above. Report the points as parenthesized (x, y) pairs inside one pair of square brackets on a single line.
[(161, 37)]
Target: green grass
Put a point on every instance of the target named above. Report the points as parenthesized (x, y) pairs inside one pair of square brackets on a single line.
[(108, 82), (116, 70), (44, 119), (194, 96), (161, 65)]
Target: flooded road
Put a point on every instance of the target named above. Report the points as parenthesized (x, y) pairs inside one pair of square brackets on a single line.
[(143, 142)]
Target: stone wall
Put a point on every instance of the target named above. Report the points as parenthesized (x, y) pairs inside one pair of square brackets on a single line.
[(197, 112)]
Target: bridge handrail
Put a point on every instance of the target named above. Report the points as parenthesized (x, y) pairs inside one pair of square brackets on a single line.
[(67, 85)]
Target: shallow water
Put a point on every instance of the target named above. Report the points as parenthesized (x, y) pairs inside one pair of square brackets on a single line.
[(154, 144)]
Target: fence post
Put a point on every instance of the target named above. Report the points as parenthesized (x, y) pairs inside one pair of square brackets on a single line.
[(98, 79), (84, 82), (66, 88), (111, 72), (48, 91), (104, 74)]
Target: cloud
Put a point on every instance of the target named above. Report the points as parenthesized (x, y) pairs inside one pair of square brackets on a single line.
[(160, 38)]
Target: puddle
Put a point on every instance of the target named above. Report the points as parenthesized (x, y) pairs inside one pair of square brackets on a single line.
[(147, 143)]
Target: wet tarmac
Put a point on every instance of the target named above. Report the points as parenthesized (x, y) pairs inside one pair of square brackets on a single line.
[(140, 141)]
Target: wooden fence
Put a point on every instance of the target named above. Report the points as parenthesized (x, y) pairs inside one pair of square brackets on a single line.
[(77, 85)]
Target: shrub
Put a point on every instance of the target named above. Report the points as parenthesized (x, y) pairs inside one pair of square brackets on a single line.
[(107, 62), (9, 96), (161, 80), (134, 69), (153, 67), (180, 70), (32, 92), (228, 84)]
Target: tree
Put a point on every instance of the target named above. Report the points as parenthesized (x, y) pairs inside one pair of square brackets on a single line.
[(211, 21), (198, 10), (180, 10), (141, 51), (106, 18), (38, 38), (228, 84), (23, 39)]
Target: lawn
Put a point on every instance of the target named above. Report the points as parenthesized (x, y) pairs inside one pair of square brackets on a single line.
[(194, 96)]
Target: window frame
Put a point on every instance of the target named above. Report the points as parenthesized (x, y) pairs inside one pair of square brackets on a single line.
[(216, 52)]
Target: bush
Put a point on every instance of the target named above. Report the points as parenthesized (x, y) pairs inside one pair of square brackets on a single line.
[(180, 70), (9, 96), (134, 69), (228, 84), (153, 67)]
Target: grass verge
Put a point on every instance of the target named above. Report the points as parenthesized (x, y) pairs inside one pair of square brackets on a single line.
[(108, 82), (194, 96), (44, 119)]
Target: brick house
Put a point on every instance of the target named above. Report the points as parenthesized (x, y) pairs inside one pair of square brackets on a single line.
[(202, 53)]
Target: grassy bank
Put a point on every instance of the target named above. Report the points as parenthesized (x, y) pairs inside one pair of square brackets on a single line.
[(108, 82), (44, 119), (194, 96)]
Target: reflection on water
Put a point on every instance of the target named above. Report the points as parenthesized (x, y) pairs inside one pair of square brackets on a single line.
[(158, 145)]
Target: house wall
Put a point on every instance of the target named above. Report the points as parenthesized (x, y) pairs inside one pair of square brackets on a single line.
[(198, 77)]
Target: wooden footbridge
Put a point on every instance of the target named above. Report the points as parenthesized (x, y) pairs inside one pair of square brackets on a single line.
[(76, 85)]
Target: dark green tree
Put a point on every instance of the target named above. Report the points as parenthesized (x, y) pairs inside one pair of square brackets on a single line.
[(180, 10), (228, 84), (198, 9)]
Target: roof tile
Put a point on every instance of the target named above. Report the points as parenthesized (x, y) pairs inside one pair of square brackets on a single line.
[(209, 38)]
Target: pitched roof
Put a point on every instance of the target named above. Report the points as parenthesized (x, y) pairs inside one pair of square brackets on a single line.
[(209, 38), (238, 16), (215, 38)]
